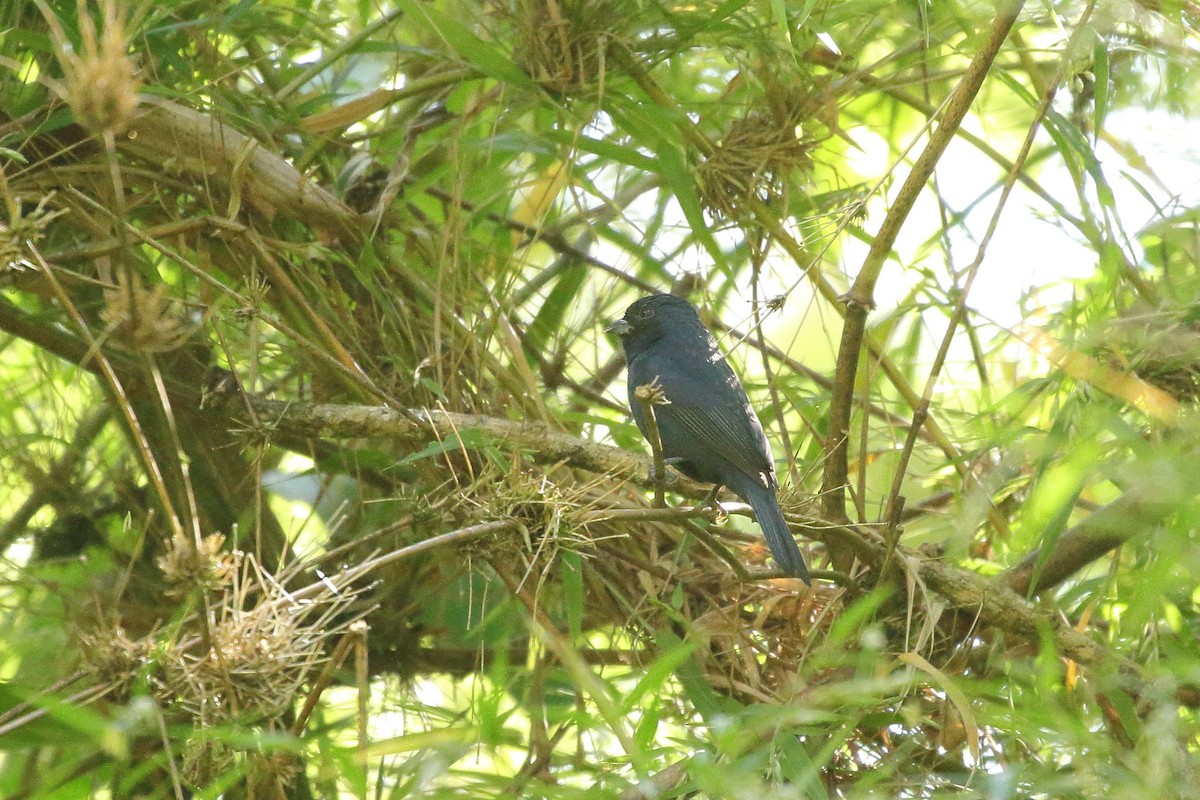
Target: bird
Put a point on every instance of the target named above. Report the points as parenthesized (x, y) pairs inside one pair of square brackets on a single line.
[(706, 426)]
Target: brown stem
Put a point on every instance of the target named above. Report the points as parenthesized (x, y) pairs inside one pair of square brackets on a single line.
[(860, 298), (1161, 489), (646, 395), (960, 306)]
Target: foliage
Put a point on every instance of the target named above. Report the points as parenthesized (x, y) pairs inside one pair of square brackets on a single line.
[(319, 479)]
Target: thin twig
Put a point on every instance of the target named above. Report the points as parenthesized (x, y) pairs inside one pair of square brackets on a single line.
[(121, 400), (48, 705), (665, 514), (176, 783), (960, 306), (718, 549), (322, 682), (891, 531), (560, 645), (760, 344), (359, 630), (649, 396), (860, 299), (334, 583)]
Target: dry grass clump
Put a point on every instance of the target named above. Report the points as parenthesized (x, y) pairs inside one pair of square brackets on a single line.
[(144, 320), (755, 638), (1159, 345), (22, 230), (101, 81), (115, 659), (546, 513), (648, 576), (757, 157), (258, 649), (187, 564), (253, 667), (246, 655), (564, 44)]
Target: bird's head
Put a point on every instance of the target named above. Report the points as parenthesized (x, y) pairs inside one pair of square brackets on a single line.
[(651, 318)]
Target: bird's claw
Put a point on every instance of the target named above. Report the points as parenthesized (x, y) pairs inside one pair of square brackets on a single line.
[(711, 501), (670, 477)]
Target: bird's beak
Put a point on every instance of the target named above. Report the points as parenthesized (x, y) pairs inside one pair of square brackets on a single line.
[(618, 326)]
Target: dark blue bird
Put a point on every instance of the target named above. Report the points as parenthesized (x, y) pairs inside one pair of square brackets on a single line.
[(707, 428)]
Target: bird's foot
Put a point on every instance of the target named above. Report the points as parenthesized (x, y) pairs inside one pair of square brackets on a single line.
[(670, 477), (711, 501)]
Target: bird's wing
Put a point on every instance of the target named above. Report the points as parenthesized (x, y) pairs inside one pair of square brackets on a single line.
[(730, 431)]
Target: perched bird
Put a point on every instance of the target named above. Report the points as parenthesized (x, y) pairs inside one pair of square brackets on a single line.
[(706, 426)]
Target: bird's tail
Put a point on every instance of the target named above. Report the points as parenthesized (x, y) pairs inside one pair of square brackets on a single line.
[(775, 529)]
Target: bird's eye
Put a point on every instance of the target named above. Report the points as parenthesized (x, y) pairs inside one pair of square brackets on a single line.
[(645, 313)]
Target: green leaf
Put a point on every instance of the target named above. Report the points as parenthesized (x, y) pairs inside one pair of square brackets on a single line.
[(484, 56), (1050, 507), (646, 730), (673, 167), (708, 704), (1100, 73), (658, 672), (424, 740), (604, 148), (572, 577), (549, 320), (350, 461), (798, 766), (780, 17), (469, 439), (805, 12)]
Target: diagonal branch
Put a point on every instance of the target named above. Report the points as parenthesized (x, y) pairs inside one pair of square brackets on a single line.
[(992, 599), (1160, 490), (894, 500), (860, 298), (166, 133)]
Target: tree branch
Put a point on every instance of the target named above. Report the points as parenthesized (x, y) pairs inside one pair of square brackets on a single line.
[(1159, 491), (993, 600), (860, 299), (166, 133)]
